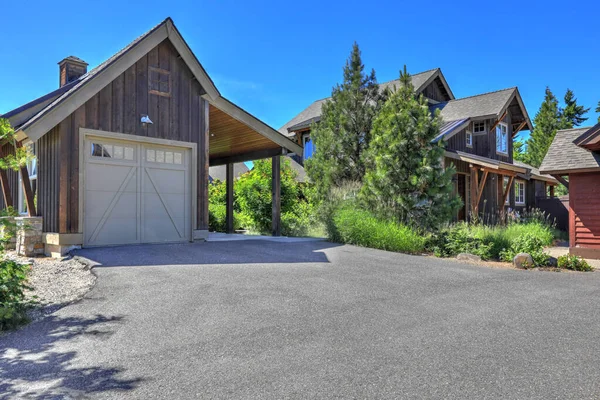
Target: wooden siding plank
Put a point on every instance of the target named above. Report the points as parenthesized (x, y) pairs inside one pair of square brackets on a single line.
[(63, 189), (118, 88), (78, 120), (141, 100), (105, 108), (130, 117)]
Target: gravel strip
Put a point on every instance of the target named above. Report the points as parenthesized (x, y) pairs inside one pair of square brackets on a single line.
[(56, 282)]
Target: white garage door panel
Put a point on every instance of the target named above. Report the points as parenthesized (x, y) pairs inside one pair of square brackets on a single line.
[(143, 199)]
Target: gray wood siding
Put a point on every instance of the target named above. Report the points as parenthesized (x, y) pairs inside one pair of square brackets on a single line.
[(483, 145), (118, 107), (433, 92), (48, 179)]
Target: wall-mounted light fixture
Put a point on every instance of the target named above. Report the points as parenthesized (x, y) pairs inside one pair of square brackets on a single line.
[(145, 120)]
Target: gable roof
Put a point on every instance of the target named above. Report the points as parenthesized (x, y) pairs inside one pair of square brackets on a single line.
[(60, 104), (590, 139), (565, 156), (485, 105), (312, 113)]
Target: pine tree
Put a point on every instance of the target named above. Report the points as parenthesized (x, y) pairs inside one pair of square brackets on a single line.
[(572, 114), (546, 122), (343, 133), (598, 110), (519, 150), (406, 180)]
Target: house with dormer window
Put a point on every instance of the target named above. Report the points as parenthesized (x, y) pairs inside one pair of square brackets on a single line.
[(477, 132)]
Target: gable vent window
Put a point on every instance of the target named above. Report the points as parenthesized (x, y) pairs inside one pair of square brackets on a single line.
[(159, 82), (469, 139), (479, 127)]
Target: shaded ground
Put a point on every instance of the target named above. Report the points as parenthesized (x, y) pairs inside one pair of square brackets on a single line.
[(257, 319)]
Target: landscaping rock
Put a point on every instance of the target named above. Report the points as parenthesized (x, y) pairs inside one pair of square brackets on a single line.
[(523, 261), (552, 262), (468, 257)]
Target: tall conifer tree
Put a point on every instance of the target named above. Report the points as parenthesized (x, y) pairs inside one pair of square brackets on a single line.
[(406, 180), (573, 114), (546, 122), (344, 132)]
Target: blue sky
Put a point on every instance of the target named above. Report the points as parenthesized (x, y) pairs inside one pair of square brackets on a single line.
[(274, 58)]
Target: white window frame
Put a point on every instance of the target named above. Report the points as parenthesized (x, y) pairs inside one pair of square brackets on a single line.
[(469, 139), (477, 125), (31, 165), (499, 135), (520, 196)]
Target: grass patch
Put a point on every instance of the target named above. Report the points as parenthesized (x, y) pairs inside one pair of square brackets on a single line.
[(350, 225)]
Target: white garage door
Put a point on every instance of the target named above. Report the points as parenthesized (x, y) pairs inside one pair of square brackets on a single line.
[(136, 193)]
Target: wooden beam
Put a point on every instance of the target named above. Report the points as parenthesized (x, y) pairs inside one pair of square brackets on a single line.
[(481, 186), (229, 198), (561, 180), (551, 191), (255, 155), (8, 200), (507, 190), (498, 121), (474, 186), (521, 126), (276, 195)]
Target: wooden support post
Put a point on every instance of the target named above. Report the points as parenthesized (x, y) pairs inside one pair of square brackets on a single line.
[(500, 197), (551, 191), (474, 187), (276, 195), (8, 200), (498, 121), (481, 186), (203, 160), (229, 198), (27, 188), (507, 190)]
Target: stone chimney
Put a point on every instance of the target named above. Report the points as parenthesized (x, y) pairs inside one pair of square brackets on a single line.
[(70, 69)]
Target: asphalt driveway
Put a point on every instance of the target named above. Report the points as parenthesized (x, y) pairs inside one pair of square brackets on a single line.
[(310, 320)]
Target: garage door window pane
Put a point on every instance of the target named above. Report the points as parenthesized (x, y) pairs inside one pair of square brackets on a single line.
[(150, 155), (169, 157), (118, 152), (128, 153), (177, 158), (160, 156)]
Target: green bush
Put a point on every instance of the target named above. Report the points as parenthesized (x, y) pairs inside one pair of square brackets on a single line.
[(359, 227), (527, 243), (493, 242), (13, 304), (574, 263)]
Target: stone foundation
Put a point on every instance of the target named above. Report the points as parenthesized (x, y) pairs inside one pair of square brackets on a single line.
[(29, 241), (9, 227), (60, 244)]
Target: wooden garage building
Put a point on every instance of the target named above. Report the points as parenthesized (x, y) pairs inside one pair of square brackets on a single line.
[(123, 151)]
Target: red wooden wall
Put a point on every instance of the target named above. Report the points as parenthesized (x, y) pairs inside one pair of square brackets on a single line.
[(584, 214)]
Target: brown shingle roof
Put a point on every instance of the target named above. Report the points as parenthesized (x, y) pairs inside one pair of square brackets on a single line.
[(564, 155), (312, 113), (481, 105)]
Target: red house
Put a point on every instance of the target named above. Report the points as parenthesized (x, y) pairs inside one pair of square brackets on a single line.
[(575, 153)]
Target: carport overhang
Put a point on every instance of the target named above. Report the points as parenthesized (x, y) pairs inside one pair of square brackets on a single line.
[(237, 136)]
